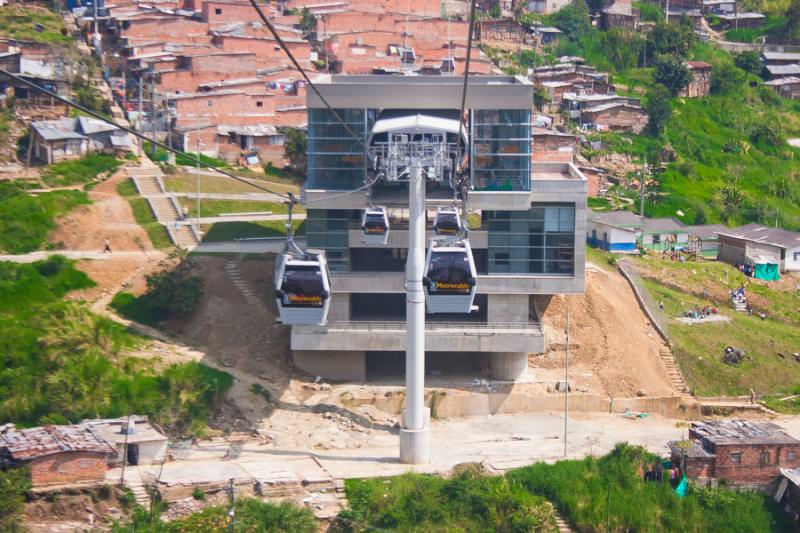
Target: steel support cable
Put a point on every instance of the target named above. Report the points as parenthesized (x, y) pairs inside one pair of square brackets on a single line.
[(127, 129), (464, 89), (300, 69)]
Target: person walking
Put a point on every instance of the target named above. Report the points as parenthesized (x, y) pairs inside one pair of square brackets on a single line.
[(107, 246)]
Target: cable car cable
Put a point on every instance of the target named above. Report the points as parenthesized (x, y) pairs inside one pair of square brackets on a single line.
[(464, 89), (133, 132)]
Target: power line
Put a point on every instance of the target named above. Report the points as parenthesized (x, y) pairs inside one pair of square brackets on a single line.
[(466, 78), (300, 69), (98, 116)]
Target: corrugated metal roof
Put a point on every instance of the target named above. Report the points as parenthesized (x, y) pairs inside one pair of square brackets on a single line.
[(616, 218), (54, 130), (27, 444), (757, 233), (742, 432), (655, 225)]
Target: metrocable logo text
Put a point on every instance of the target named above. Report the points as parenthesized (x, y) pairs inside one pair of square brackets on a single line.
[(451, 286), (376, 231), (303, 299)]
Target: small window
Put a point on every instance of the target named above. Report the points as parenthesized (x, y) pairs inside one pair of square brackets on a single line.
[(764, 458), (218, 11), (656, 239), (209, 103), (259, 104), (791, 456), (736, 458)]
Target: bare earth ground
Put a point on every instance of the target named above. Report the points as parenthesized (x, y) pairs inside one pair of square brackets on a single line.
[(610, 337), (109, 216)]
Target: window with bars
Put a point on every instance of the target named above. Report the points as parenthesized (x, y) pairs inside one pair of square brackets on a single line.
[(538, 241)]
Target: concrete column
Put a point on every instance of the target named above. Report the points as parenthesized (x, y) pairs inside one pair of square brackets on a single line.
[(508, 366)]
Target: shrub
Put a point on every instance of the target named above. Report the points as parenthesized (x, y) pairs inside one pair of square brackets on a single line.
[(658, 107), (671, 72), (14, 483), (749, 61), (198, 494), (173, 288)]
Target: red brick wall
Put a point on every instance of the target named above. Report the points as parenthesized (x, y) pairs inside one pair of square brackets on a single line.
[(68, 467), (165, 28), (230, 12), (750, 470)]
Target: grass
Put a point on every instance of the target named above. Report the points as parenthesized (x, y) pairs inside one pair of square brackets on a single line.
[(79, 171), (144, 215), (468, 501), (26, 220), (593, 492), (20, 22), (252, 515), (61, 363), (213, 208), (229, 231), (187, 182), (190, 160), (601, 258), (699, 348), (136, 309)]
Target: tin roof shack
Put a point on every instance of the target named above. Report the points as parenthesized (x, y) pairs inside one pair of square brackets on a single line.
[(70, 138), (616, 116), (788, 87), (788, 492), (145, 444), (697, 463), (58, 455), (740, 20), (780, 58), (754, 240), (701, 80), (250, 145), (741, 452), (620, 14)]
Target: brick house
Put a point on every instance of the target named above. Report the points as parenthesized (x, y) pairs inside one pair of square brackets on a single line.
[(739, 452), (616, 116), (57, 455), (701, 80)]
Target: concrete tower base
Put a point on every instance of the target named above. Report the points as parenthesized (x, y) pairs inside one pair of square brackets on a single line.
[(415, 446), (508, 366)]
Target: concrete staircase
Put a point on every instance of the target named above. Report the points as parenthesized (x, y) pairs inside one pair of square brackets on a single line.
[(674, 373), (134, 482), (236, 277), (561, 524), (739, 302), (147, 179)]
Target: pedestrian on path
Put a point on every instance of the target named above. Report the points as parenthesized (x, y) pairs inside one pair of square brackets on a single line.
[(107, 247)]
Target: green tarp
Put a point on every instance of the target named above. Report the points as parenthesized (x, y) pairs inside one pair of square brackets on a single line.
[(766, 271)]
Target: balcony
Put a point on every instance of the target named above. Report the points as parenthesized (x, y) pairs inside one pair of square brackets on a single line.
[(439, 337)]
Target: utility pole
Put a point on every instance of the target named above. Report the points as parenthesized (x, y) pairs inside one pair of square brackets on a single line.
[(197, 167), (231, 510), (566, 389), (139, 121), (666, 14), (153, 111), (414, 435), (641, 188)]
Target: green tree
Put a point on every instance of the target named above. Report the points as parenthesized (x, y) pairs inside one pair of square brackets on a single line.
[(793, 20), (173, 287), (295, 148), (308, 22), (749, 61), (621, 47), (496, 11), (573, 20), (14, 483), (672, 73), (671, 38), (726, 78), (658, 107)]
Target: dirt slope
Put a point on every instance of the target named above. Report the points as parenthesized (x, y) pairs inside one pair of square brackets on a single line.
[(610, 336)]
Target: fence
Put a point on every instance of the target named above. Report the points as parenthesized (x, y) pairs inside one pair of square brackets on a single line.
[(651, 308)]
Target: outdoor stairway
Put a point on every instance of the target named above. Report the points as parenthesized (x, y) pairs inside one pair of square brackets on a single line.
[(739, 302), (674, 373), (134, 482), (561, 524), (236, 277), (147, 183)]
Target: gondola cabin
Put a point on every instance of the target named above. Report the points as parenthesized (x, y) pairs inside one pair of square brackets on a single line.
[(450, 277), (408, 58), (448, 65), (447, 221), (302, 289), (375, 226)]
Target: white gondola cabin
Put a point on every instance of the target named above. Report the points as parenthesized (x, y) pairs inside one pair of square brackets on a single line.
[(407, 57), (302, 289), (448, 65), (450, 277), (375, 226), (447, 221)]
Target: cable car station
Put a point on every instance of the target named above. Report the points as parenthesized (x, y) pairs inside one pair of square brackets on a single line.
[(502, 234)]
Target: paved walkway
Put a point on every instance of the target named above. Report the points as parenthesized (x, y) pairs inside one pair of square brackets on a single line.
[(246, 247), (79, 254)]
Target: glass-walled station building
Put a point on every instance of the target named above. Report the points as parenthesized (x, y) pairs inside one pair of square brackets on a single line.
[(526, 226)]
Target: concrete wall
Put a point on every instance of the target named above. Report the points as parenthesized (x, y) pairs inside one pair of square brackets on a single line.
[(730, 250), (792, 261), (149, 452), (339, 365), (508, 308)]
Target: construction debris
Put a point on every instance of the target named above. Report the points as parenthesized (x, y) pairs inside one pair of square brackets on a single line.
[(733, 356)]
